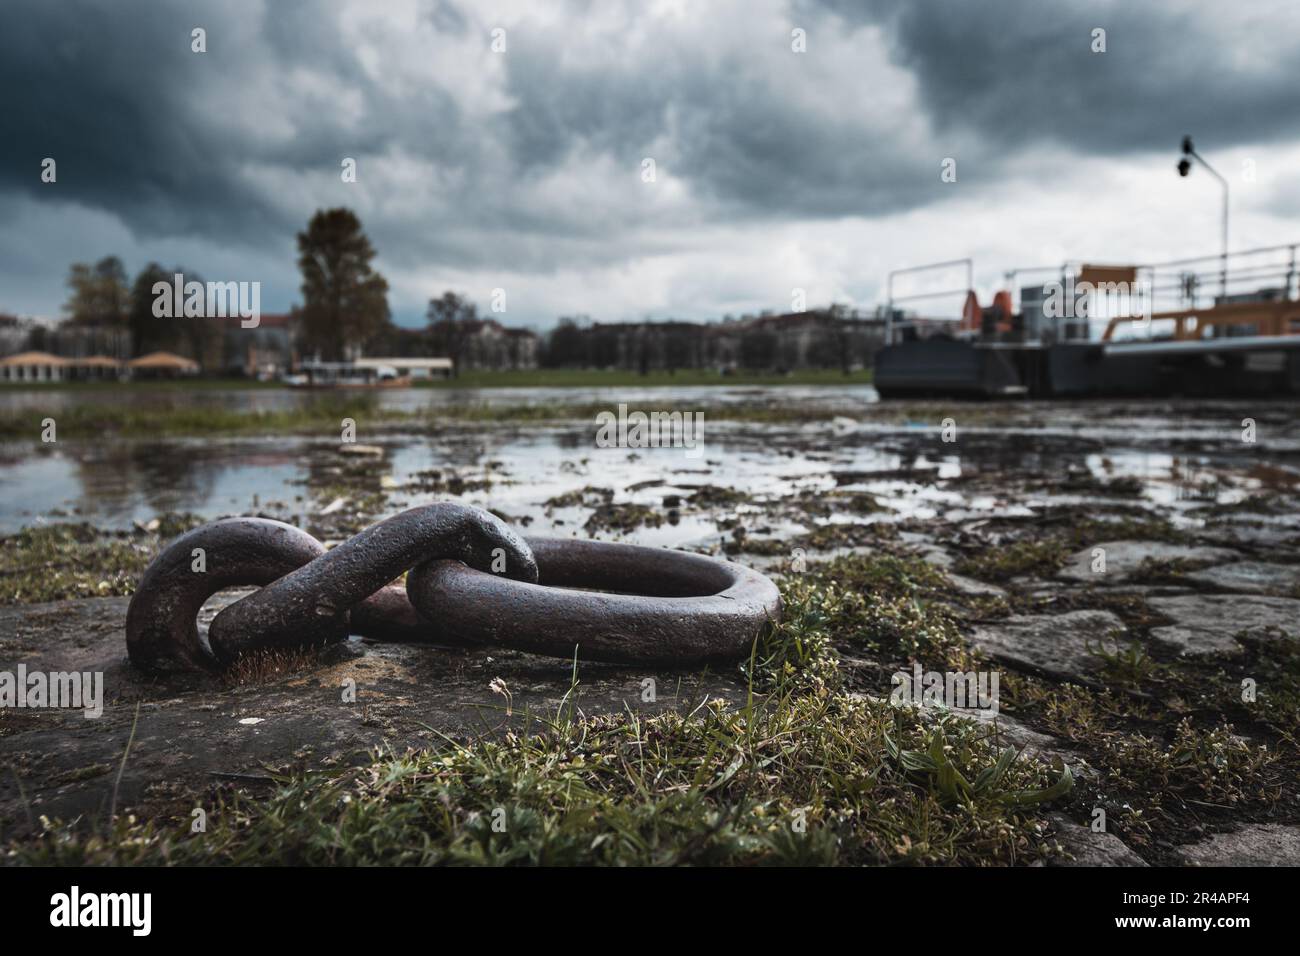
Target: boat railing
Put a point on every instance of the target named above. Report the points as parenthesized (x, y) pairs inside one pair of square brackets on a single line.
[(894, 299)]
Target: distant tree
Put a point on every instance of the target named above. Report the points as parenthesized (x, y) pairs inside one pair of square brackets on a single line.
[(758, 349), (841, 322), (100, 295), (451, 319), (679, 347), (200, 338), (148, 332), (564, 346), (396, 341), (603, 348), (345, 302)]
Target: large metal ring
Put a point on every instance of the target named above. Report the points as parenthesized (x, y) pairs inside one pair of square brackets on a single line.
[(635, 605)]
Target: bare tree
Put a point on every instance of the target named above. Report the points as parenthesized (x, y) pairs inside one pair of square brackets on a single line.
[(452, 318)]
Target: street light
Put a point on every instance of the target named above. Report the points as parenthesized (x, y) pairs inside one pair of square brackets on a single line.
[(1185, 167)]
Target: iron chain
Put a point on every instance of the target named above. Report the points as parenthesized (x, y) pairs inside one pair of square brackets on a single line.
[(473, 581)]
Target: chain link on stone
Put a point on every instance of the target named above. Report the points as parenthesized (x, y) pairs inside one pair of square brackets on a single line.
[(612, 602)]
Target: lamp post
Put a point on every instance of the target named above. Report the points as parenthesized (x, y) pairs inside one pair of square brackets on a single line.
[(1185, 167)]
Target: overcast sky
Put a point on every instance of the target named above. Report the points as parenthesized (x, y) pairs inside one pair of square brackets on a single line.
[(523, 169)]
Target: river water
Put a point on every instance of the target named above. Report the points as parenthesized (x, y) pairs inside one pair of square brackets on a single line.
[(1181, 455)]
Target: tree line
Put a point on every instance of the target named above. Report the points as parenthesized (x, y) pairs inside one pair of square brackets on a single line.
[(345, 311), (344, 302)]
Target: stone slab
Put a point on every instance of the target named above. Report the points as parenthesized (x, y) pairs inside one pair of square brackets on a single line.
[(1056, 644)]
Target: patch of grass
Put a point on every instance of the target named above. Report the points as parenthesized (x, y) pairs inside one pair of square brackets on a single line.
[(857, 502), (1264, 503), (1164, 571), (889, 605), (322, 416), (1276, 671), (1001, 562), (1085, 530), (838, 534), (624, 518), (716, 496), (1130, 665), (807, 779), (446, 481), (614, 378), (798, 653), (1041, 547), (1157, 778), (58, 561), (588, 497), (1211, 765), (188, 417), (742, 543), (941, 765)]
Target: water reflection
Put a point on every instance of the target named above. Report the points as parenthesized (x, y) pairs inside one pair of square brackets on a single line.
[(517, 471), (1006, 460)]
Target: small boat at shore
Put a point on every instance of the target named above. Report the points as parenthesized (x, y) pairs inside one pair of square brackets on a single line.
[(346, 375)]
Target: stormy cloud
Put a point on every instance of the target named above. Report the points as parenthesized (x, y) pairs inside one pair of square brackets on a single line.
[(521, 168)]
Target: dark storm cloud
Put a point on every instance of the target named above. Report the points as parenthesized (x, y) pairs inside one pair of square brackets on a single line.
[(112, 91), (528, 162), (1021, 71), (102, 89), (147, 130), (725, 100), (143, 127)]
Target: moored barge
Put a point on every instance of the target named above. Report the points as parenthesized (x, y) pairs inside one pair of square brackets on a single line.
[(1236, 343)]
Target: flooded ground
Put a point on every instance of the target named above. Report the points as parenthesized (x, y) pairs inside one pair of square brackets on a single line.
[(1001, 459)]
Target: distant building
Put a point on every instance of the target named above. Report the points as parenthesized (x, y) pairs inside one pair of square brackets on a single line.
[(487, 344), (162, 365), (33, 367), (264, 352), (821, 338), (522, 348), (79, 341), (817, 338), (44, 367)]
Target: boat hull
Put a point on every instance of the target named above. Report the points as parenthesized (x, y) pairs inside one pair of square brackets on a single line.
[(949, 368)]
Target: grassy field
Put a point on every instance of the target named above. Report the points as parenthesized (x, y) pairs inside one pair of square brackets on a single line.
[(90, 420), (533, 378), (614, 378)]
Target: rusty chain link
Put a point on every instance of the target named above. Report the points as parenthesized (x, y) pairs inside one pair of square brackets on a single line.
[(472, 581)]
